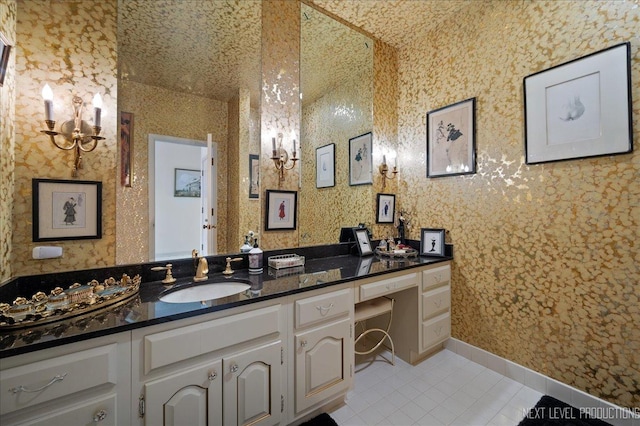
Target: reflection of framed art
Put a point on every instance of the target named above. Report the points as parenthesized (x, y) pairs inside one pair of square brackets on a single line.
[(363, 241), (581, 108), (364, 266), (187, 183), (66, 210), (451, 140), (432, 242), (360, 160), (281, 210), (386, 207), (5, 50), (326, 166), (254, 176), (126, 148)]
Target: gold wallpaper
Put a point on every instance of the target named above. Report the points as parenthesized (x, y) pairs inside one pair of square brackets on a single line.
[(163, 112), (279, 105), (547, 266), (49, 52), (8, 11)]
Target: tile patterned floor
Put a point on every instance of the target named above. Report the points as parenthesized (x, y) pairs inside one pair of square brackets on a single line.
[(445, 389)]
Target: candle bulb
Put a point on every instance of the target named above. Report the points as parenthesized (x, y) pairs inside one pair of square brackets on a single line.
[(395, 163), (273, 141), (294, 148), (97, 109), (384, 160), (47, 95)]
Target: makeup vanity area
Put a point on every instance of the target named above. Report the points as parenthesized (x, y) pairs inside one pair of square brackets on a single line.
[(272, 357)]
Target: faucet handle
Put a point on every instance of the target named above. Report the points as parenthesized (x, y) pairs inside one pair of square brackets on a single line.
[(228, 270), (168, 279)]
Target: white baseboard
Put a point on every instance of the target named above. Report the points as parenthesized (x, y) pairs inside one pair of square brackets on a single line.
[(606, 411)]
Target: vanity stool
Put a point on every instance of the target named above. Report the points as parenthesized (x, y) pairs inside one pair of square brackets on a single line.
[(370, 309)]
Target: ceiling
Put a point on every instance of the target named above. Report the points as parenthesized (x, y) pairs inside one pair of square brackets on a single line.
[(211, 48)]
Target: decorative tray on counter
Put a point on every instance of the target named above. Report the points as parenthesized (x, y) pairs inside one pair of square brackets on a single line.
[(402, 253), (63, 304), (285, 261)]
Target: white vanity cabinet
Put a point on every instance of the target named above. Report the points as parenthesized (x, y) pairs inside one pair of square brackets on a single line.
[(322, 347), (80, 383), (211, 370), (435, 306)]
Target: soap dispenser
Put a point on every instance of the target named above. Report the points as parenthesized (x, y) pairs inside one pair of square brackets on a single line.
[(246, 247), (255, 259)]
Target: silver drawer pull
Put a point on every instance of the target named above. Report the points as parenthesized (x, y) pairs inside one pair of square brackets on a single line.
[(21, 388), (100, 416), (438, 303), (439, 330), (324, 310), (303, 344), (233, 368), (212, 375)]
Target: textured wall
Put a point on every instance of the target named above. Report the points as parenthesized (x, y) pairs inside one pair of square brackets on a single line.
[(280, 103), (547, 266), (8, 11), (343, 113), (163, 112), (75, 60)]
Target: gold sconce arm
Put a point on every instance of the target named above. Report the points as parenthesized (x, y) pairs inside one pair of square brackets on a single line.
[(384, 171), (280, 156)]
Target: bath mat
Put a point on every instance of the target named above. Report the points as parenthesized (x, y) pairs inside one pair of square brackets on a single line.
[(552, 412), (320, 420)]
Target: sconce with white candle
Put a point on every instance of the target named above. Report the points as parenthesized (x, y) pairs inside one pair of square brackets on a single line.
[(77, 133), (280, 156)]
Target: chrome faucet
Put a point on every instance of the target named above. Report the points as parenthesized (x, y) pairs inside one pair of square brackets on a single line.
[(202, 267)]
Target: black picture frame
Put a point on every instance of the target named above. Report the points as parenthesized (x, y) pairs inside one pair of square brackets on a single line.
[(326, 166), (281, 210), (451, 140), (5, 51), (584, 107), (362, 241), (66, 210), (361, 160), (432, 242), (254, 176), (385, 208)]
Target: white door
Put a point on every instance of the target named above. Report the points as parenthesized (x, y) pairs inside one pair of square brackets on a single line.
[(209, 220), (191, 397), (252, 393)]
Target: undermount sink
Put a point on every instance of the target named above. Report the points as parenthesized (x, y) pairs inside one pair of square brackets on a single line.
[(200, 292)]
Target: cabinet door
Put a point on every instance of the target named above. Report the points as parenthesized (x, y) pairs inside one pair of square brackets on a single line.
[(192, 397), (323, 366), (252, 386)]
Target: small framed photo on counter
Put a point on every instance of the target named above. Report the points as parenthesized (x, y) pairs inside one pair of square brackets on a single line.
[(432, 242), (363, 241)]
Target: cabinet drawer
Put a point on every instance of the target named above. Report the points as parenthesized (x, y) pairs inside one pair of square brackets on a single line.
[(168, 347), (43, 381), (100, 412), (322, 308), (388, 286), (435, 277), (436, 330), (436, 301)]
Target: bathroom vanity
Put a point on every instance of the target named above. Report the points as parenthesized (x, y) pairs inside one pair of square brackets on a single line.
[(272, 355)]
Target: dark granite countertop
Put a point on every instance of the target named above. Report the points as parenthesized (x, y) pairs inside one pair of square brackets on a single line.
[(146, 309)]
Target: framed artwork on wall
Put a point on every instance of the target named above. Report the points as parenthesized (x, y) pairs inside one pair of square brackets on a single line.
[(581, 108), (386, 207), (432, 242), (5, 50), (187, 183), (126, 148), (281, 210), (254, 176), (66, 209), (362, 241), (360, 160), (326, 166), (451, 140)]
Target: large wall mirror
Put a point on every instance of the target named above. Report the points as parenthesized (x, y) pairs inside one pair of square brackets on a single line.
[(336, 81)]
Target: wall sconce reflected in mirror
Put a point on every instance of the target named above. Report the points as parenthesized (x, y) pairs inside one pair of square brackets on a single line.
[(281, 158), (384, 170), (77, 133)]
